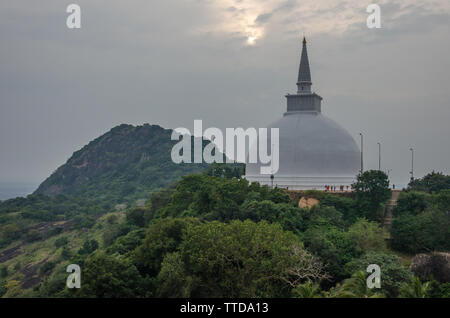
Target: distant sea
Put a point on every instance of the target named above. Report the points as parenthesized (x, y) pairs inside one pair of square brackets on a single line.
[(10, 190)]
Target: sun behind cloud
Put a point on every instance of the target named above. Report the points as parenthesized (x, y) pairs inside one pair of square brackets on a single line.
[(251, 20), (251, 40)]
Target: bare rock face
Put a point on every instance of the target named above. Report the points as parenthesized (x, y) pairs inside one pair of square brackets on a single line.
[(307, 202), (434, 265)]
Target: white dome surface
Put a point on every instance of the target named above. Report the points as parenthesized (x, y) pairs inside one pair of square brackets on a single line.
[(313, 145), (314, 152)]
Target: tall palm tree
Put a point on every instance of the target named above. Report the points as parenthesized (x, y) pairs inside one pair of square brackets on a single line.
[(308, 290), (356, 287), (415, 289)]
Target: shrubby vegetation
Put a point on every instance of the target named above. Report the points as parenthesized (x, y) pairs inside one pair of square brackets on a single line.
[(19, 218), (393, 272), (422, 222), (239, 259), (431, 183), (216, 235)]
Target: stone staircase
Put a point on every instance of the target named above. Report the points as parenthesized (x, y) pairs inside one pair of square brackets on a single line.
[(389, 207)]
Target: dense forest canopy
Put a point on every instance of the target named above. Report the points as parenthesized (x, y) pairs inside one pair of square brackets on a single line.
[(214, 234)]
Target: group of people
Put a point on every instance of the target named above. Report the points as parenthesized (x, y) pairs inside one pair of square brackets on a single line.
[(342, 188)]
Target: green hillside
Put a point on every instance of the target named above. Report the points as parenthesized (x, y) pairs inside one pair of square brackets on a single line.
[(123, 165)]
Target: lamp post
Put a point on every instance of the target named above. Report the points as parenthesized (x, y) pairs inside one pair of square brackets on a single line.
[(362, 151), (271, 180), (388, 171), (412, 163), (379, 156)]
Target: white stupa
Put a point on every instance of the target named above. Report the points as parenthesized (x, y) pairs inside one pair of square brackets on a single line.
[(314, 150)]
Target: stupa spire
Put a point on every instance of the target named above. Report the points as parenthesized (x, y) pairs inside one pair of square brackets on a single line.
[(304, 100), (304, 74)]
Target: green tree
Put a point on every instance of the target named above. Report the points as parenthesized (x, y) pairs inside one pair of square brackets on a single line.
[(431, 183), (113, 231), (321, 216), (66, 253), (335, 248), (442, 202), (393, 273), (136, 217), (54, 286), (439, 290), (33, 236), (412, 202), (173, 280), (425, 232), (346, 206), (158, 201), (369, 236), (80, 222), (56, 230), (307, 290), (111, 219), (62, 241), (10, 232), (163, 237), (240, 259), (127, 244), (110, 276), (285, 214), (213, 198), (372, 191), (47, 267), (356, 287), (88, 247), (414, 289), (3, 271)]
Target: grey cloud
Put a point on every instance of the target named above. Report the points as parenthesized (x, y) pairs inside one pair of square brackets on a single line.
[(263, 18), (139, 62)]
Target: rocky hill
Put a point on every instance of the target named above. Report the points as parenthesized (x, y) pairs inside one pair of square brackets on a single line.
[(127, 162)]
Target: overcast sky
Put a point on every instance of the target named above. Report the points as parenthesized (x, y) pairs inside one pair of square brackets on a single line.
[(228, 62)]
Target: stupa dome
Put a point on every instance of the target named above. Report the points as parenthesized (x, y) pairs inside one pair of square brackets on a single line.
[(314, 150)]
